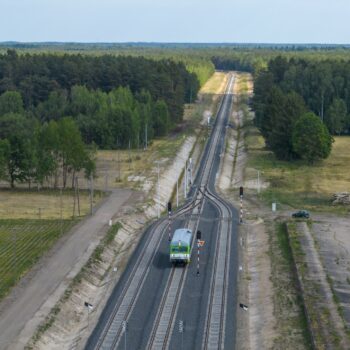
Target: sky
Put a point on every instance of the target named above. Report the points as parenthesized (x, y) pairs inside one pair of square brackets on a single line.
[(203, 21)]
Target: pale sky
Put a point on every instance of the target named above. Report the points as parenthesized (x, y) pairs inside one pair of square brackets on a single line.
[(257, 21)]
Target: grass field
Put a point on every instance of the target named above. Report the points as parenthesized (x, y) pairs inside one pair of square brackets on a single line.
[(298, 184), (215, 83), (43, 204), (123, 168), (22, 242)]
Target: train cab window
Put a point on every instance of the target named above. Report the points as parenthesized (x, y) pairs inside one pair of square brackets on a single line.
[(178, 249)]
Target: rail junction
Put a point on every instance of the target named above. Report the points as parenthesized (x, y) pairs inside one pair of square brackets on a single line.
[(159, 306)]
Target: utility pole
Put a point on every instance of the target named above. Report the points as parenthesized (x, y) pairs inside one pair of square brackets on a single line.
[(185, 187), (78, 197), (118, 151), (91, 193), (177, 193), (15, 256), (146, 137), (75, 196), (61, 210), (158, 194), (106, 182), (158, 191), (119, 165), (258, 181), (129, 155)]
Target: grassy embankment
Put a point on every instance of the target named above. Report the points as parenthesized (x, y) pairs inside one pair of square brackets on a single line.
[(288, 303), (298, 184)]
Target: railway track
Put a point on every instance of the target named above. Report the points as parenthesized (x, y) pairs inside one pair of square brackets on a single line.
[(110, 336), (166, 315), (216, 310)]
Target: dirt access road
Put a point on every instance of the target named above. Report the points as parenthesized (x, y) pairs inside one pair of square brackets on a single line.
[(30, 302)]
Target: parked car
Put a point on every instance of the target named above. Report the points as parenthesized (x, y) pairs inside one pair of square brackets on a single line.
[(301, 214)]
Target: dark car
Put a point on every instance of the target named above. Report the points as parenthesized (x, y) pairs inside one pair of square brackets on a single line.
[(301, 214)]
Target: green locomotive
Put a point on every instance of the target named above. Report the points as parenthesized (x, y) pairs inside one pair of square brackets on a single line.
[(181, 246)]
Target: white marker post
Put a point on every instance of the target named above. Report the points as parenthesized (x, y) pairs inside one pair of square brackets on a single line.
[(181, 331), (125, 327), (199, 235)]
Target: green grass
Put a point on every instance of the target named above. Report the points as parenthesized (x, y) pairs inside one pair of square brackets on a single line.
[(298, 184), (289, 305), (283, 243), (22, 243), (22, 203)]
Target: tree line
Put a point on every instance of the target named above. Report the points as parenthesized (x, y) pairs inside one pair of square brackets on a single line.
[(31, 152), (323, 85), (304, 95), (36, 76), (55, 108)]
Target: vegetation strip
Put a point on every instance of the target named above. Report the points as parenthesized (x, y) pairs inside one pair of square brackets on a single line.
[(289, 307), (22, 243)]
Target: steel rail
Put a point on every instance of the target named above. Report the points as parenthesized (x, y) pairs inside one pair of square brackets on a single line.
[(114, 327), (166, 310)]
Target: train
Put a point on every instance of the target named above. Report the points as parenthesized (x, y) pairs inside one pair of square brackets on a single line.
[(181, 246)]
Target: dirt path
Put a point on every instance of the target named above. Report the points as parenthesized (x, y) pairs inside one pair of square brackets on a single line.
[(332, 236), (331, 326), (28, 305)]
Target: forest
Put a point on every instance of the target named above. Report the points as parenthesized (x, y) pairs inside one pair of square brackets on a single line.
[(83, 102), (289, 88), (122, 95)]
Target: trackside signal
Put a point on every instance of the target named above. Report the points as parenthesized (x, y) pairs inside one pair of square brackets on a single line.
[(169, 207)]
